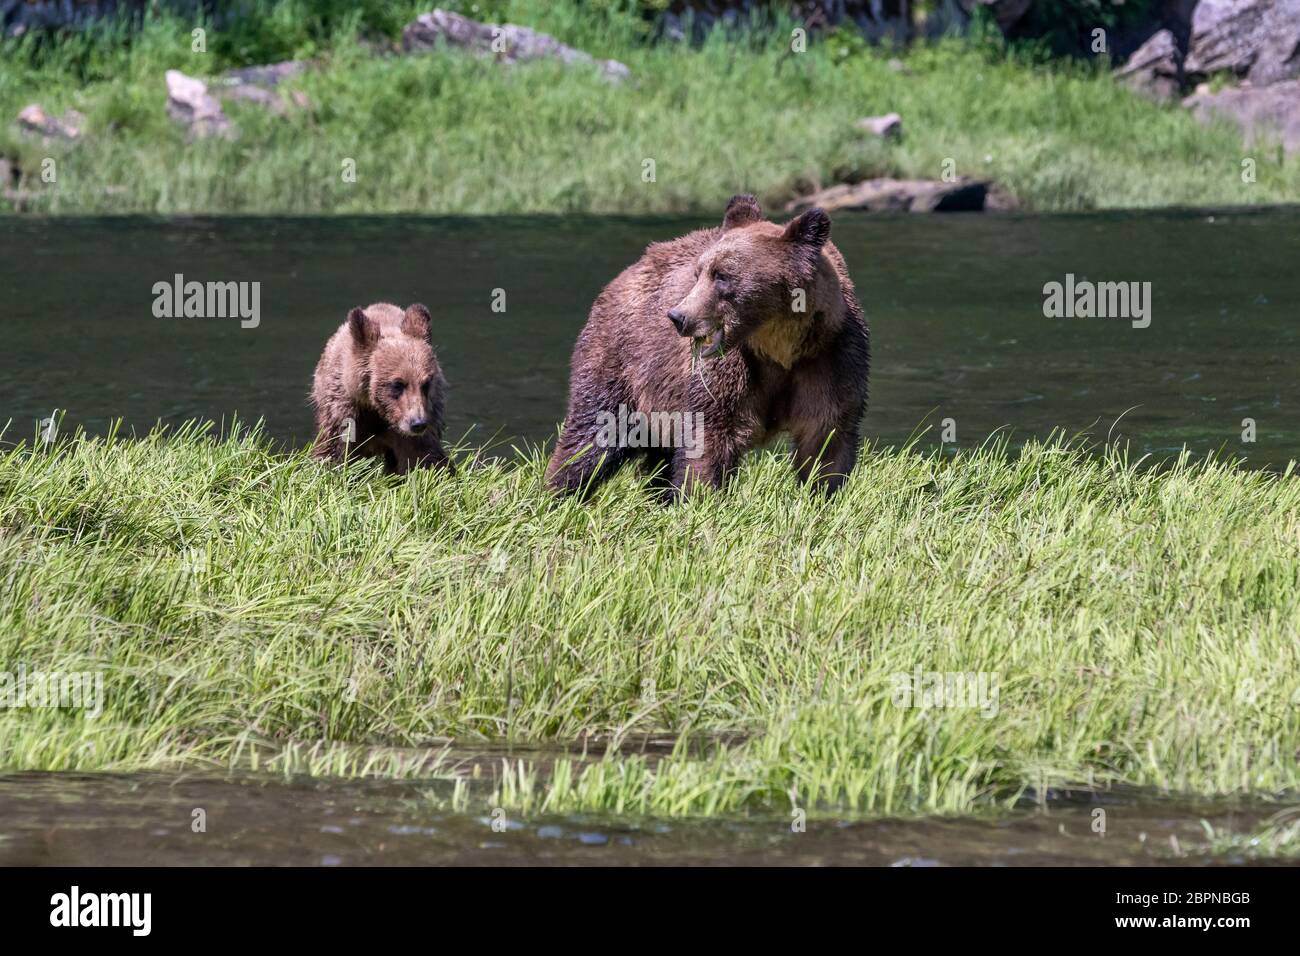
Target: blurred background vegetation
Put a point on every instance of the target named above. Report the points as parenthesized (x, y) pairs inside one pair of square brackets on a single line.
[(717, 98)]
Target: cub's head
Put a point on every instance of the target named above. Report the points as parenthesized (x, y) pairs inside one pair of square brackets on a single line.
[(404, 382), (750, 275)]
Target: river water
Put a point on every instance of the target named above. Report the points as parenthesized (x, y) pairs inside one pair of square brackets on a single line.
[(956, 305), (150, 819)]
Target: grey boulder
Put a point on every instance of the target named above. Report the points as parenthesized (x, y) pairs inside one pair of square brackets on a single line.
[(1260, 111), (1258, 40), (900, 195), (507, 43)]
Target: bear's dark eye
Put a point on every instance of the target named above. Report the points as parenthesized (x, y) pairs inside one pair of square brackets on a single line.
[(428, 383), (722, 279), (396, 387)]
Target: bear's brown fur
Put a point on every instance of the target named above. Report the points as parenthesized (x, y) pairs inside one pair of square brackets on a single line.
[(379, 391), (709, 324)]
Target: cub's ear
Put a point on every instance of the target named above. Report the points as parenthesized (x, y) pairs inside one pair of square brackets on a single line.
[(741, 211), (365, 330), (812, 228), (417, 321)]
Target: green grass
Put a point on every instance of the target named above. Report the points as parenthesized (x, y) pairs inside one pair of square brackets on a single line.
[(1276, 838), (248, 608), (448, 133)]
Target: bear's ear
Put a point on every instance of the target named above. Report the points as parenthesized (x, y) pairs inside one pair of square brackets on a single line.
[(417, 321), (741, 211), (365, 331), (812, 228)]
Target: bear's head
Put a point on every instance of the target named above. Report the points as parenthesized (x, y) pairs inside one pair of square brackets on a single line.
[(403, 380), (755, 273)]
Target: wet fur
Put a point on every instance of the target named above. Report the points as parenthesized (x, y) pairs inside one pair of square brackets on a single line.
[(376, 346), (780, 371)]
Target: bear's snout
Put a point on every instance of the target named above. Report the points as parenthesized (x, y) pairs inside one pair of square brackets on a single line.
[(416, 426), (692, 326)]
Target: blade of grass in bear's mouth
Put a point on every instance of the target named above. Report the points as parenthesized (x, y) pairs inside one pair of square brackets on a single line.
[(715, 345)]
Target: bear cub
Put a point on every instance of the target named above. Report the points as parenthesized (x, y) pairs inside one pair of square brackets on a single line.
[(741, 331), (379, 391)]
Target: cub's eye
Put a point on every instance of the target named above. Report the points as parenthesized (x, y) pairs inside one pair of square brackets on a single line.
[(397, 387), (428, 384)]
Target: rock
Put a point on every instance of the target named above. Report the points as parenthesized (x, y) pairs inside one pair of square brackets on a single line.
[(1007, 13), (254, 94), (267, 77), (507, 43), (195, 104), (1258, 40), (899, 195), (889, 126), (255, 83), (34, 119), (1258, 110), (191, 105), (999, 200), (1155, 68)]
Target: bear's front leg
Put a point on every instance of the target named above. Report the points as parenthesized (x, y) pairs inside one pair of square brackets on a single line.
[(826, 457), (580, 463), (420, 452), (710, 468), (333, 435)]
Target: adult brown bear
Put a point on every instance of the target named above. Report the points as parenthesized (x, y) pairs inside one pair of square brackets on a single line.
[(742, 331)]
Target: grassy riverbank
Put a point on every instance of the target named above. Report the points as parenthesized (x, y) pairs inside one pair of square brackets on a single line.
[(247, 608), (447, 133)]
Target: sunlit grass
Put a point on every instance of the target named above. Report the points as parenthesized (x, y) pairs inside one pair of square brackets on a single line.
[(248, 608), (1277, 837)]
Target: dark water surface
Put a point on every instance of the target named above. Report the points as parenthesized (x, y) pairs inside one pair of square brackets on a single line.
[(65, 819), (955, 304)]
